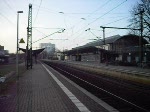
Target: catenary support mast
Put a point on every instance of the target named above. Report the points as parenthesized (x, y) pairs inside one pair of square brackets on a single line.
[(29, 39)]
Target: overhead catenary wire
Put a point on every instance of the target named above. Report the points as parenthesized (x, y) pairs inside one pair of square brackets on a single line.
[(7, 19), (115, 21), (92, 13), (108, 12), (107, 24), (46, 28), (97, 10), (44, 8), (79, 32), (85, 40), (102, 15), (37, 12), (59, 31), (74, 33), (9, 6)]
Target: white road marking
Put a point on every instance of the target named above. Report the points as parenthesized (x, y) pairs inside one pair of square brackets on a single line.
[(97, 100), (71, 96)]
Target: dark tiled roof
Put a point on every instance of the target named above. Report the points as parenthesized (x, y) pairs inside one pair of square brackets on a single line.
[(35, 52), (111, 39), (93, 45), (98, 42), (108, 40)]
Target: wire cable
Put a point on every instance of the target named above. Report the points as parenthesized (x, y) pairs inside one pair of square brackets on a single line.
[(107, 12), (99, 8), (100, 17), (115, 21), (7, 19), (9, 6), (37, 11), (89, 15)]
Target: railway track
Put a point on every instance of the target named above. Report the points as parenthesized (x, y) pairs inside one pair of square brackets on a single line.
[(123, 96)]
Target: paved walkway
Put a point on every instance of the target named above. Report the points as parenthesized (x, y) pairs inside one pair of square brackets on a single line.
[(39, 90)]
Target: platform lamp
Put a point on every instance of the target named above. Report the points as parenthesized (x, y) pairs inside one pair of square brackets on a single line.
[(21, 41), (17, 42)]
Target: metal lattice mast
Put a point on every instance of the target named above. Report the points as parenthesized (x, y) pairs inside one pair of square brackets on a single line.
[(29, 38)]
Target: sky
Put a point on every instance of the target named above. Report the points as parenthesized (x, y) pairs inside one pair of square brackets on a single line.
[(50, 16)]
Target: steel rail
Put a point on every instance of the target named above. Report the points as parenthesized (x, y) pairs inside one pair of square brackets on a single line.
[(118, 97)]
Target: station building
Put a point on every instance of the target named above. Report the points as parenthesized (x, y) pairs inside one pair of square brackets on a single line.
[(115, 49)]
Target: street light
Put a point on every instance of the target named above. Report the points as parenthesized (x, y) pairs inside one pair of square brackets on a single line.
[(17, 42), (17, 58), (61, 31)]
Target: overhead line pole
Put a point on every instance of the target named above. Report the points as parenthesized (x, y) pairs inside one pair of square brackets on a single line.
[(29, 38), (140, 39), (104, 35), (118, 28), (103, 27)]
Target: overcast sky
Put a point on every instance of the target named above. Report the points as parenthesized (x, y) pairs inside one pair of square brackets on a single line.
[(48, 16)]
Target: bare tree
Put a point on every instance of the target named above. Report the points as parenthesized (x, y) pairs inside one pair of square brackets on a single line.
[(144, 8)]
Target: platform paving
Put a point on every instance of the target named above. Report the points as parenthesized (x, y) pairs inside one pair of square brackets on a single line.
[(38, 91), (126, 69)]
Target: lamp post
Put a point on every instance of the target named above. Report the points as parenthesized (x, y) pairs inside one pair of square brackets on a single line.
[(17, 42), (21, 41)]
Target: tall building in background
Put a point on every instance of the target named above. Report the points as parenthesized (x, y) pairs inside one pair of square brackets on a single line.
[(49, 49)]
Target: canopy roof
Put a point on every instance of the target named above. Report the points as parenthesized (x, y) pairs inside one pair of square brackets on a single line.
[(34, 52)]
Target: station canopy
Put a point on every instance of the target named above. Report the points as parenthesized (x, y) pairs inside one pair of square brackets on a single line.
[(34, 52)]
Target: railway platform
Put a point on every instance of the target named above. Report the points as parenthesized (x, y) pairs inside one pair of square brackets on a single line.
[(126, 69), (42, 89)]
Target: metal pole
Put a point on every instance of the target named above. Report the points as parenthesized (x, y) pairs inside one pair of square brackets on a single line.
[(29, 38), (17, 44), (104, 55), (101, 53), (104, 35), (17, 66), (77, 53), (118, 28)]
